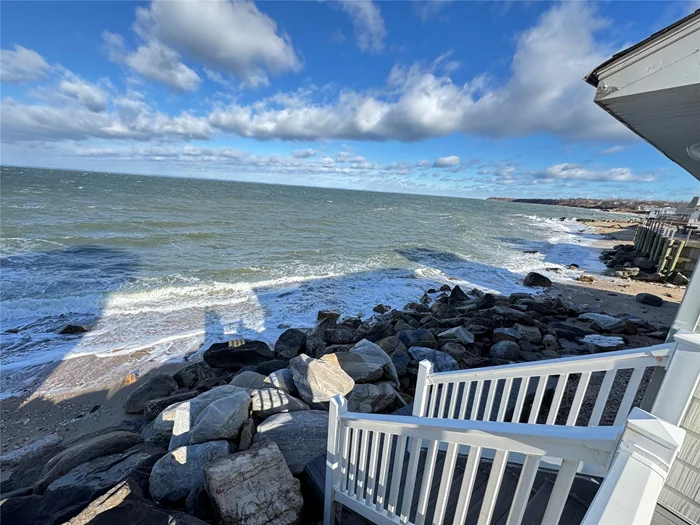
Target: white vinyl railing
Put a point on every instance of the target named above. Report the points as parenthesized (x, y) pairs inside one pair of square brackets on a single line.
[(367, 472), (534, 392)]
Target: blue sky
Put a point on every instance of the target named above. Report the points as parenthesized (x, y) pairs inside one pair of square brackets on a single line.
[(472, 99)]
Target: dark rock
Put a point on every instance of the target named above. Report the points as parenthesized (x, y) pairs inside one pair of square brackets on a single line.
[(513, 315), (645, 264), (248, 379), (528, 356), (342, 335), (536, 279), (649, 299), (247, 432), (155, 387), (442, 361), (457, 296), (391, 344), (505, 334), (444, 310), (237, 354), (445, 288), (382, 308), (401, 359), (316, 338), (418, 337), (379, 330), (72, 329), (273, 365), (290, 343), (518, 296), (505, 350), (456, 350), (487, 301), (191, 375), (327, 314), (679, 279), (370, 399), (83, 451), (156, 406), (199, 505)]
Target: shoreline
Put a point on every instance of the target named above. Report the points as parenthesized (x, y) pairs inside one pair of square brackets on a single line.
[(62, 397)]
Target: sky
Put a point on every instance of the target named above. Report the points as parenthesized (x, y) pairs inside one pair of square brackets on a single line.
[(457, 98)]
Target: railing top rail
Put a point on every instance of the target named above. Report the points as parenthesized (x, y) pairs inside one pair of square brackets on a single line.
[(589, 444), (656, 355)]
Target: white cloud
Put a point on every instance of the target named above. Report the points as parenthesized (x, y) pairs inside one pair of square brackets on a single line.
[(234, 37), (545, 94), (21, 65), (576, 172), (91, 96), (368, 23), (304, 153), (428, 8), (446, 162), (613, 149)]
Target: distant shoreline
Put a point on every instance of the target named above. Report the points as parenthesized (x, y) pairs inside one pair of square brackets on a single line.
[(605, 205)]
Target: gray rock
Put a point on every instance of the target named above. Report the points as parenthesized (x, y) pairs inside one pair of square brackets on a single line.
[(513, 314), (536, 279), (342, 335), (459, 334), (418, 337), (456, 350), (391, 344), (401, 360), (316, 340), (356, 366), (317, 381), (550, 354), (291, 343), (505, 350), (282, 380), (301, 436), (192, 375), (680, 279), (550, 343), (184, 415), (505, 334), (222, 419), (157, 386), (247, 433), (604, 322), (603, 343), (248, 379), (156, 406), (369, 398), (83, 451), (531, 334), (649, 299), (178, 472), (373, 353), (237, 354), (268, 401), (254, 487), (442, 361), (94, 477)]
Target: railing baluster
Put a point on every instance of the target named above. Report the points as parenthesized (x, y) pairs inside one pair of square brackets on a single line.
[(477, 400), (524, 384), (556, 399), (383, 472), (433, 394), (426, 485), (628, 398), (396, 474), (505, 398), (362, 466), (560, 492), (493, 385), (578, 398), (345, 436), (445, 483), (443, 400), (465, 491), (453, 401), (411, 474), (468, 387), (602, 398), (498, 467), (352, 473), (522, 493), (537, 401), (372, 469)]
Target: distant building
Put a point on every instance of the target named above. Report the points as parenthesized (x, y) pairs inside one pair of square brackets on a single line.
[(661, 212)]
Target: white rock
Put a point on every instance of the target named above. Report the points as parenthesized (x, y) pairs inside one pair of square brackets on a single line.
[(318, 381), (603, 343)]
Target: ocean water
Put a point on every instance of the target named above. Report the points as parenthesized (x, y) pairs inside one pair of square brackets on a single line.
[(168, 264)]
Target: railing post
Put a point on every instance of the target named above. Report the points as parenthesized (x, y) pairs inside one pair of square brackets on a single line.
[(680, 380), (644, 455), (338, 405), (420, 400)]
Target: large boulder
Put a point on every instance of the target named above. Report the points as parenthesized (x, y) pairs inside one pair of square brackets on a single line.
[(290, 343), (268, 401), (301, 436), (505, 350), (318, 381), (342, 335), (457, 296), (442, 361), (356, 366), (237, 354), (157, 386), (401, 360), (282, 380), (83, 451), (254, 487), (193, 374), (222, 419), (458, 334), (505, 334), (316, 338), (248, 379), (391, 344), (156, 406), (649, 299), (93, 478), (179, 472), (372, 353), (536, 279), (185, 414), (273, 365), (369, 398), (531, 334), (418, 337)]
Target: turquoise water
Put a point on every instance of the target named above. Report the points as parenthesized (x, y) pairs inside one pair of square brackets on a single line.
[(166, 263)]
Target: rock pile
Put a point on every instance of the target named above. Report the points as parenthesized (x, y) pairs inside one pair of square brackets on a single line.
[(625, 262), (223, 439)]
